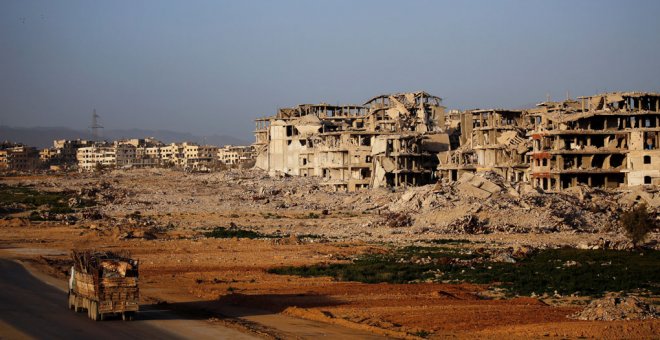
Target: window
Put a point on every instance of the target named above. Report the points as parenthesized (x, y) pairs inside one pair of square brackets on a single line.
[(647, 159), (647, 180)]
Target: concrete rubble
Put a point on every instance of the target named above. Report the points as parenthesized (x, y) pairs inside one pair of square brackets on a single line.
[(616, 307), (486, 203), (130, 202)]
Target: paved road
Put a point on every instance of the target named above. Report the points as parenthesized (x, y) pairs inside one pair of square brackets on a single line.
[(30, 308)]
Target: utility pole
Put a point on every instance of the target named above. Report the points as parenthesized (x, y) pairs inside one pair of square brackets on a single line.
[(95, 125)]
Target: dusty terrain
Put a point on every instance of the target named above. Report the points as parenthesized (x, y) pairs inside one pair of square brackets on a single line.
[(160, 216)]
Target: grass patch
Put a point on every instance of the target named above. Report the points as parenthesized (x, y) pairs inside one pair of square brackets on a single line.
[(567, 270), (312, 215), (30, 197), (450, 241), (15, 199), (311, 236), (222, 232), (271, 215), (376, 268)]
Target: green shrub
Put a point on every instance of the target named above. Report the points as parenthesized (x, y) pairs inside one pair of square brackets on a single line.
[(637, 223), (222, 232)]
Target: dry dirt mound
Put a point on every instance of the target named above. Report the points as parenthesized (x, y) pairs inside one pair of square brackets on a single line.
[(612, 308)]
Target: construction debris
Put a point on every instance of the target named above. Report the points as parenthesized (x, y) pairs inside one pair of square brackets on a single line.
[(616, 307), (486, 203), (161, 204)]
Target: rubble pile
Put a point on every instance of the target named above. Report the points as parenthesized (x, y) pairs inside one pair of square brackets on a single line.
[(614, 307), (486, 203), (165, 203)]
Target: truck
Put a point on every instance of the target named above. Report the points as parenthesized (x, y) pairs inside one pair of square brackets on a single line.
[(104, 284)]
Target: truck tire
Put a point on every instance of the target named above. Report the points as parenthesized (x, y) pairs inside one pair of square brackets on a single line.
[(71, 301), (78, 303), (94, 311), (128, 316), (76, 306)]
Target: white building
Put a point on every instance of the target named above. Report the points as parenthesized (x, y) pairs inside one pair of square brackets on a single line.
[(89, 157), (233, 155)]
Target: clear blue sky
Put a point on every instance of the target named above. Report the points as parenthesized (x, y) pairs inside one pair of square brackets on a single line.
[(213, 66)]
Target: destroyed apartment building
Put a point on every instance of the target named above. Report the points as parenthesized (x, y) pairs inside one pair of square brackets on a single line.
[(607, 140), (490, 140), (391, 140)]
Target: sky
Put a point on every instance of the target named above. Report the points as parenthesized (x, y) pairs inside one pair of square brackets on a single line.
[(211, 67)]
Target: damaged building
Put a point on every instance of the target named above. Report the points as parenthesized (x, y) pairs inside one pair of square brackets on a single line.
[(607, 140), (391, 140), (490, 140), (407, 139)]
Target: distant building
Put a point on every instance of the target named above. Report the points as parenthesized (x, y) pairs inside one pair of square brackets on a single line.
[(19, 158), (235, 155), (199, 157), (64, 151), (92, 157)]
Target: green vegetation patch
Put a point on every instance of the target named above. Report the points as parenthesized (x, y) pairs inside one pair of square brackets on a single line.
[(14, 199), (452, 241), (393, 267), (566, 270), (231, 232), (30, 197)]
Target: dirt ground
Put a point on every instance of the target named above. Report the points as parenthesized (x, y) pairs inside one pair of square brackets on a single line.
[(181, 268)]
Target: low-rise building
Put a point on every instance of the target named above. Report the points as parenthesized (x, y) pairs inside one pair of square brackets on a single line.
[(90, 158), (19, 158), (199, 157), (232, 155)]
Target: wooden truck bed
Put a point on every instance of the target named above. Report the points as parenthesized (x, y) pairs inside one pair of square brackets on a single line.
[(113, 294)]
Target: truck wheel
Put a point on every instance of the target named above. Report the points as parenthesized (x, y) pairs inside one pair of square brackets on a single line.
[(76, 306), (127, 316), (72, 306), (94, 311)]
